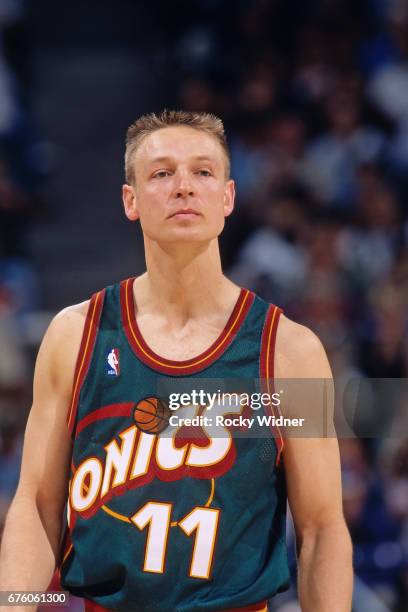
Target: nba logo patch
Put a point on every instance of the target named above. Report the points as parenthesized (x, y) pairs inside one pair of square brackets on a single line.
[(112, 362)]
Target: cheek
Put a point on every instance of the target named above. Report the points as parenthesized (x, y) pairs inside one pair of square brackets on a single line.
[(149, 202), (215, 196), (223, 205)]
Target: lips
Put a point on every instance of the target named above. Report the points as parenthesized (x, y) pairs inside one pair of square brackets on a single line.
[(185, 211)]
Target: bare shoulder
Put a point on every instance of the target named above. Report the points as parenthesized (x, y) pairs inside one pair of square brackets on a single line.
[(72, 316), (61, 343), (69, 323), (47, 442), (299, 352)]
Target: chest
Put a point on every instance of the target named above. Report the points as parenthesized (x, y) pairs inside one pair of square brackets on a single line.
[(180, 343)]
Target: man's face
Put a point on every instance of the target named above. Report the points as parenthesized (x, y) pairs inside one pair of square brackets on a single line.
[(180, 193)]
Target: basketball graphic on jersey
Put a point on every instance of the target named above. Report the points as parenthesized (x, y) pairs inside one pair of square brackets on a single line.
[(151, 415)]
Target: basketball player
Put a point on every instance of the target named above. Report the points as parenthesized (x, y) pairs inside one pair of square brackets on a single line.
[(156, 523)]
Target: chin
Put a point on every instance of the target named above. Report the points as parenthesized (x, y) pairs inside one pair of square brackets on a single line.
[(185, 235)]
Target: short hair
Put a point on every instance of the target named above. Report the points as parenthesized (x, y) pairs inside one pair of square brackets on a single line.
[(147, 124)]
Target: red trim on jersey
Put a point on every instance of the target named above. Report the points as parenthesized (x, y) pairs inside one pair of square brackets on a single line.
[(113, 410), (267, 365), (258, 607), (189, 366), (91, 606), (66, 547), (85, 353)]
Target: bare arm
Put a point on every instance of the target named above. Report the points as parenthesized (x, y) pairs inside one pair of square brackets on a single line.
[(31, 538), (312, 468)]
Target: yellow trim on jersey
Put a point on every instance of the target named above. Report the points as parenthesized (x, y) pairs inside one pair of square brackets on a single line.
[(209, 500), (267, 362), (269, 343), (83, 357), (125, 519), (67, 553), (184, 366), (207, 503), (120, 517)]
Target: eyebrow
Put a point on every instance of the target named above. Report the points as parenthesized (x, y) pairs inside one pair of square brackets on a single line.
[(166, 158)]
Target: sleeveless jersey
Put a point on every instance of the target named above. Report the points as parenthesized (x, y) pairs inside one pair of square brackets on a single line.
[(157, 524)]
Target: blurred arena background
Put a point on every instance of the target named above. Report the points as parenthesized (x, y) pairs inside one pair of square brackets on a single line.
[(314, 96)]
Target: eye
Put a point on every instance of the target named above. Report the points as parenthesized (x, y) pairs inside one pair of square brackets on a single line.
[(161, 174), (204, 172)]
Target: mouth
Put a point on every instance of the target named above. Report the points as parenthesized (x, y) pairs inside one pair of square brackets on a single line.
[(185, 213)]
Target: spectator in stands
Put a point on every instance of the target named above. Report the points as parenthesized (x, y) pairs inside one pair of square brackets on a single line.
[(334, 157)]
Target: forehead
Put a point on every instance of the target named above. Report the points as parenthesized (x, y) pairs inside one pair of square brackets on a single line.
[(179, 143)]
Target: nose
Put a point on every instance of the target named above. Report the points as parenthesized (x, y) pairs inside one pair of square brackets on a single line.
[(184, 187)]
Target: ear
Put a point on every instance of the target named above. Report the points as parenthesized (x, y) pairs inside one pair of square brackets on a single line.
[(130, 202), (229, 197)]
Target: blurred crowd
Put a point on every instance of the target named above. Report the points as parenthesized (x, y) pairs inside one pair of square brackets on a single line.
[(21, 181), (314, 96)]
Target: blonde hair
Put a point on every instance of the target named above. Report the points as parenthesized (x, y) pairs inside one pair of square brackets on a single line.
[(147, 124)]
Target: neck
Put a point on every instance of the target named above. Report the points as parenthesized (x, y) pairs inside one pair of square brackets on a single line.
[(184, 281)]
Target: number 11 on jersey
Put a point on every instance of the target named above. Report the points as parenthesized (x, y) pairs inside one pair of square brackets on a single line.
[(157, 516)]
